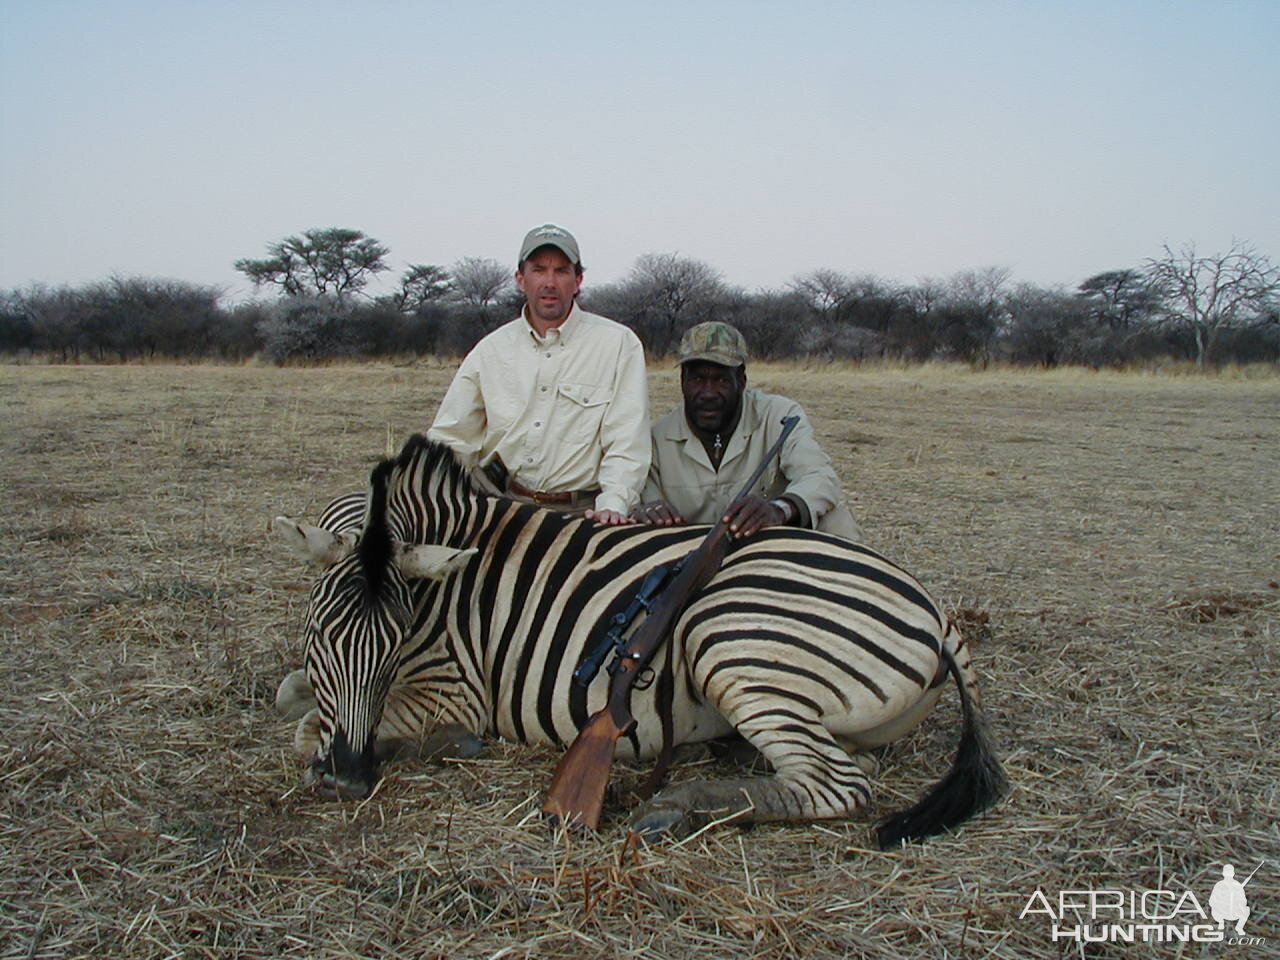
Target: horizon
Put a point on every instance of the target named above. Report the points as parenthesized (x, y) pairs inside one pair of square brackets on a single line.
[(1055, 141)]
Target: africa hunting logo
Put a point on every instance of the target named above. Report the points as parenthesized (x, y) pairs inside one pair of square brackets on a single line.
[(1148, 916)]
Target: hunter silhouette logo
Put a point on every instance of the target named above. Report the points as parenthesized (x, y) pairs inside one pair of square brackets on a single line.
[(1149, 916), (1228, 900)]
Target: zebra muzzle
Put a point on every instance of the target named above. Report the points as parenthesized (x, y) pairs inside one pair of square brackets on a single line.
[(344, 774)]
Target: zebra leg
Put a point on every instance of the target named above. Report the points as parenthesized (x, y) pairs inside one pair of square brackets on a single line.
[(450, 741), (306, 735), (814, 779), (733, 750), (418, 726), (294, 697)]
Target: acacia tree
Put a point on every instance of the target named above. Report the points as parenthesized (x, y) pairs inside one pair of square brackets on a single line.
[(1119, 299), (823, 291), (54, 313), (17, 332), (329, 262), (122, 318), (973, 313), (422, 285), (310, 329), (1045, 326), (775, 324), (480, 281), (1207, 295), (141, 316), (672, 293)]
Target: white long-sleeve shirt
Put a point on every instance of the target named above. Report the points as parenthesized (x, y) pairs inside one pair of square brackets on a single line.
[(566, 412)]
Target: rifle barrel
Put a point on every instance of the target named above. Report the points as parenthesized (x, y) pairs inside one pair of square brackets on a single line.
[(1250, 876)]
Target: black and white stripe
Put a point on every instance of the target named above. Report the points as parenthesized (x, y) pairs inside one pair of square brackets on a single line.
[(807, 645)]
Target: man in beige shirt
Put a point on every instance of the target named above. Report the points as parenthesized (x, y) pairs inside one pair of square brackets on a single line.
[(557, 397), (705, 449)]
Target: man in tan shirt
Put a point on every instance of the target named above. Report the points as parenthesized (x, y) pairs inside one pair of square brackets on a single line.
[(557, 396), (705, 449)]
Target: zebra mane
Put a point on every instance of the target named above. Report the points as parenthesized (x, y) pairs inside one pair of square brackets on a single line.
[(375, 539), (420, 461)]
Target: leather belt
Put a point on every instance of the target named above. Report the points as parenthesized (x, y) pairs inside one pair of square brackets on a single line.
[(545, 497)]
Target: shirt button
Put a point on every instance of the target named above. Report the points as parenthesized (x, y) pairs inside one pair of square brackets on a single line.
[(543, 389), (548, 355), (537, 423)]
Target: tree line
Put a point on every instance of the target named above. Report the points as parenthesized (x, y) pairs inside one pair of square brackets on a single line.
[(1210, 309)]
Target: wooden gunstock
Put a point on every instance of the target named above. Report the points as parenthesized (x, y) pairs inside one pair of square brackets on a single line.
[(582, 775)]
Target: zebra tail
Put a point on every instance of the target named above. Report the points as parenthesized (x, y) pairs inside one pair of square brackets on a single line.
[(975, 781)]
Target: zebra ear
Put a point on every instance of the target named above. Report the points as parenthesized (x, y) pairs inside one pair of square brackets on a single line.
[(430, 561), (313, 544)]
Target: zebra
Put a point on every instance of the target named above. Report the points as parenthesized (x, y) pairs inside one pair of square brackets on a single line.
[(443, 613)]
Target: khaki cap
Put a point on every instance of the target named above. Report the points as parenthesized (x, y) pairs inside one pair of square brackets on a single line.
[(715, 341), (549, 235)]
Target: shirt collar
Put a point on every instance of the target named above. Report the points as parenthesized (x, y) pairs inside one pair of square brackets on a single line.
[(561, 334)]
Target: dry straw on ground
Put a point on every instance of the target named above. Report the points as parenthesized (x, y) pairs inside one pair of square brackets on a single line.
[(1111, 543)]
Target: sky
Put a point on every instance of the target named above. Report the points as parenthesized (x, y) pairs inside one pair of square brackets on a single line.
[(905, 140)]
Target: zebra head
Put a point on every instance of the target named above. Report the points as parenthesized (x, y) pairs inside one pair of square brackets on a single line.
[(361, 610)]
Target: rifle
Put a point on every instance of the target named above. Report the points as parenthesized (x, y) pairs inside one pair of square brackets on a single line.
[(577, 788), (613, 640), (1250, 876)]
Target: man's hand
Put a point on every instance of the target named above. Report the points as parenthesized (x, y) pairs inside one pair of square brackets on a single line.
[(659, 513), (609, 518), (751, 514)]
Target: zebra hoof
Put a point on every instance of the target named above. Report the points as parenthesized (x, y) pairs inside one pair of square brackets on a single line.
[(655, 822), (451, 742)]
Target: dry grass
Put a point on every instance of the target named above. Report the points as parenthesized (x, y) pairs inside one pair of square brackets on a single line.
[(1111, 542)]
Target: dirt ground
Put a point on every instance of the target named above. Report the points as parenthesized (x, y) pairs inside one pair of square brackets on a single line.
[(1110, 542)]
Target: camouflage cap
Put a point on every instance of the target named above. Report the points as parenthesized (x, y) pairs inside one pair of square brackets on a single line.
[(715, 341), (549, 235)]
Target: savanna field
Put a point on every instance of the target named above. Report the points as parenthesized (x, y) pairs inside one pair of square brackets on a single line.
[(1110, 543)]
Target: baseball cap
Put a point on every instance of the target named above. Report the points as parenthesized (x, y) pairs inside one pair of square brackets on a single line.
[(550, 235), (715, 341)]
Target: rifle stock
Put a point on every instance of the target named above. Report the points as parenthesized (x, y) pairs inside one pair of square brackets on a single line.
[(576, 794), (577, 790)]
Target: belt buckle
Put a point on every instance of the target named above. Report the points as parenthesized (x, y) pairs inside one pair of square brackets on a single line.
[(541, 497)]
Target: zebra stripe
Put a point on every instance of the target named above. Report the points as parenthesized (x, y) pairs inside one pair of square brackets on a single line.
[(803, 643)]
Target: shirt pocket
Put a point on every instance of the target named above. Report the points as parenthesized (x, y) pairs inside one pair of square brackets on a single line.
[(579, 409)]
